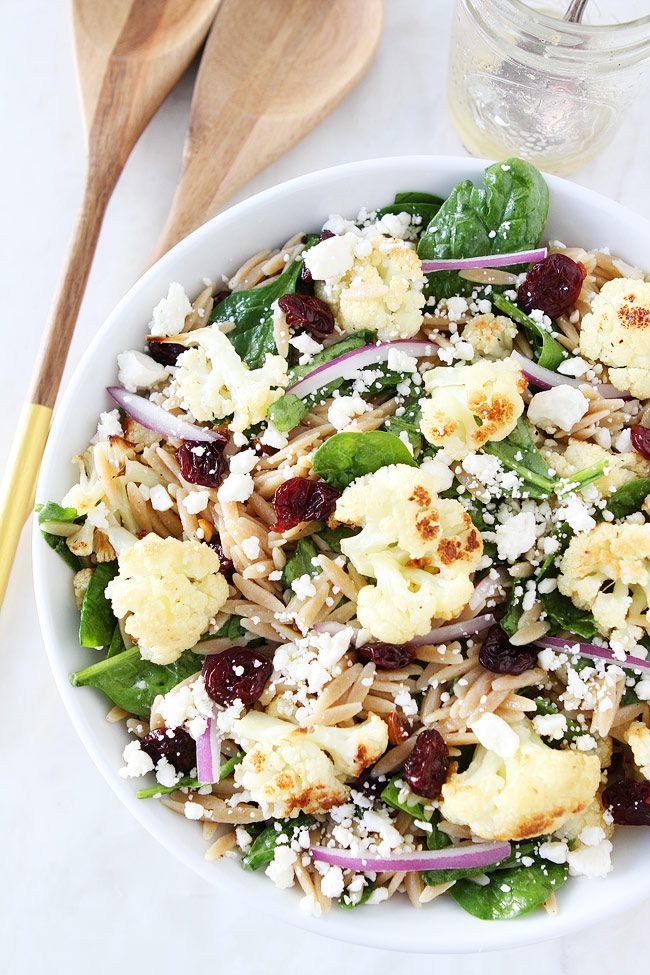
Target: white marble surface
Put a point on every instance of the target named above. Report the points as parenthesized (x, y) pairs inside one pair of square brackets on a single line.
[(83, 887)]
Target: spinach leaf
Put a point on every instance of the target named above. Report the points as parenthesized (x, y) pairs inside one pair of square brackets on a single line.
[(262, 850), (573, 729), (346, 456), (231, 630), (390, 795), (117, 643), (565, 616), (252, 314), (288, 411), (54, 512), (408, 422), (518, 453), (507, 214), (187, 782), (629, 497), (347, 905), (59, 545), (509, 622), (510, 893), (548, 350), (334, 536), (300, 563), (131, 682), (357, 340), (97, 623), (422, 205)]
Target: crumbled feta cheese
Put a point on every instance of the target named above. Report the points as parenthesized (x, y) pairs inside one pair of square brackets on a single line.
[(135, 371), (251, 547), (306, 346), (552, 726), (496, 735), (556, 851), (280, 869), (196, 501), (243, 462), (345, 409), (332, 884), (591, 861), (273, 437), (558, 408), (332, 257), (137, 762), (108, 426), (303, 587), (166, 774), (399, 361), (192, 810), (456, 308), (160, 499), (236, 487), (516, 536), (170, 313)]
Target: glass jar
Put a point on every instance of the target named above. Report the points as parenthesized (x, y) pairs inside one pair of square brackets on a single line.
[(524, 82)]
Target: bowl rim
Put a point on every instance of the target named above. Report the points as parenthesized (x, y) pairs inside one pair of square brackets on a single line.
[(476, 936)]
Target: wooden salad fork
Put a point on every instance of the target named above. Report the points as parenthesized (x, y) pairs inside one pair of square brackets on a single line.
[(130, 54), (269, 73)]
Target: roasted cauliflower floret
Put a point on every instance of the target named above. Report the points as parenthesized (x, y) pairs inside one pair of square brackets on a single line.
[(420, 549), (638, 738), (470, 405), (168, 592), (370, 282), (617, 332), (607, 570), (532, 792), (213, 382), (287, 769), (579, 455), (490, 335)]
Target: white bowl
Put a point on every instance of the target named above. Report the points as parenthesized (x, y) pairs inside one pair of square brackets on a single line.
[(577, 216)]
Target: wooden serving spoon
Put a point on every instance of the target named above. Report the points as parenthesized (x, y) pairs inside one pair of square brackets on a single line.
[(269, 73), (130, 54)]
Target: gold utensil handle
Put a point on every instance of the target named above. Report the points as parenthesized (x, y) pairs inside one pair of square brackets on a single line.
[(19, 482)]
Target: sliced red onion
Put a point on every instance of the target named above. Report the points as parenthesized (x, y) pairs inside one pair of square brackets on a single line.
[(593, 651), (547, 379), (329, 627), (208, 754), (490, 260), (348, 365), (155, 418), (469, 856), (454, 631)]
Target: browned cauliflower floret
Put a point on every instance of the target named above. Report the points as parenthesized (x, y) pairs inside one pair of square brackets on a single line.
[(607, 570), (420, 549), (617, 332), (490, 335), (470, 405), (579, 455)]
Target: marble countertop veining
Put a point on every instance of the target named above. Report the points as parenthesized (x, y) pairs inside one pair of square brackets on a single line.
[(83, 886)]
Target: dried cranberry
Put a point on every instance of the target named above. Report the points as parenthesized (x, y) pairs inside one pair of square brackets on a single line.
[(238, 673), (175, 745), (370, 784), (221, 296), (166, 353), (629, 802), (425, 770), (386, 656), (640, 437), (300, 499), (552, 285), (307, 313), (499, 656), (225, 564), (305, 273), (202, 462)]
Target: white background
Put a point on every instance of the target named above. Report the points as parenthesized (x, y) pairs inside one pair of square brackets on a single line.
[(82, 886)]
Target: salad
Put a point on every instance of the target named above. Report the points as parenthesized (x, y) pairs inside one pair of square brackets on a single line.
[(361, 554)]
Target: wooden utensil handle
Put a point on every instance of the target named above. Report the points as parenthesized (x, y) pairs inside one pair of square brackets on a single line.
[(55, 344)]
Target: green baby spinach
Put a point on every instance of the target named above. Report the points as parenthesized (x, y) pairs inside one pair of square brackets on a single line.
[(506, 214), (334, 536), (231, 629), (117, 644), (564, 615), (97, 623), (629, 498), (131, 682), (390, 795), (252, 314), (408, 422), (263, 847), (346, 456), (347, 904), (300, 562), (510, 893), (187, 782), (50, 512), (548, 351), (422, 206)]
